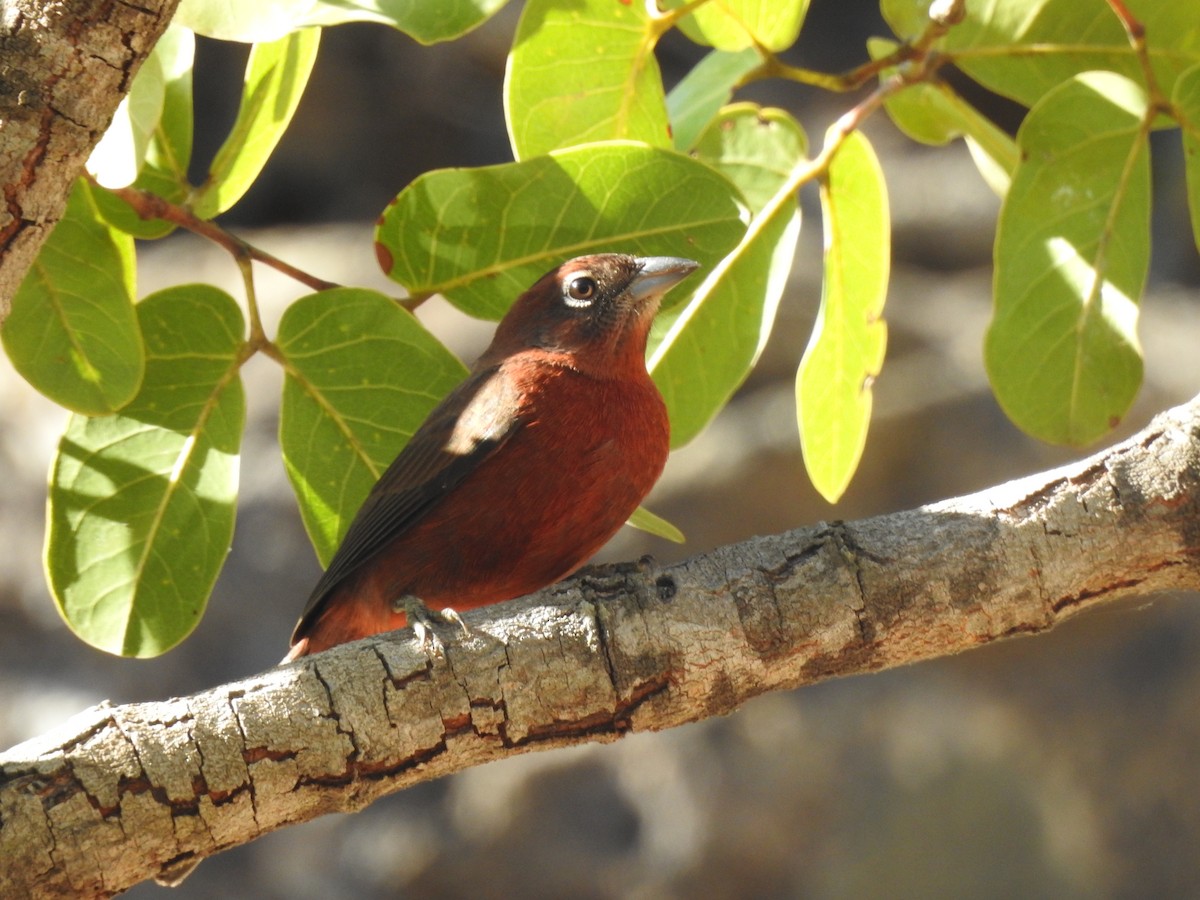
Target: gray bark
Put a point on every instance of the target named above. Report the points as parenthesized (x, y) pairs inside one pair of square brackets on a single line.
[(64, 67), (121, 794)]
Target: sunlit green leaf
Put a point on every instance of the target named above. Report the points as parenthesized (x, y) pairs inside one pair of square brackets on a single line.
[(427, 22), (1024, 48), (164, 171), (644, 520), (142, 502), (1072, 252), (737, 24), (583, 72), (118, 157), (845, 353), (276, 74), (362, 374), (482, 236), (932, 112), (702, 351), (72, 332), (1187, 101), (697, 99), (259, 20)]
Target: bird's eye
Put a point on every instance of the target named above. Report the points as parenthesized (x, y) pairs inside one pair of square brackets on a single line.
[(581, 290)]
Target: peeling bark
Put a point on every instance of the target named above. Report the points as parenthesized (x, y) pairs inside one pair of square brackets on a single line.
[(64, 68), (121, 794)]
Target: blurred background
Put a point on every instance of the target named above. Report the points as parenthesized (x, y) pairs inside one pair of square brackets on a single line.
[(1060, 766)]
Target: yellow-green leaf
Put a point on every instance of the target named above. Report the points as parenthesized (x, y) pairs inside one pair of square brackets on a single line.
[(644, 520), (737, 24), (72, 332), (362, 374), (700, 94), (702, 351), (141, 503), (428, 22), (482, 236), (1071, 257), (932, 112), (165, 168), (1024, 48), (276, 74), (1187, 101), (845, 353), (583, 72)]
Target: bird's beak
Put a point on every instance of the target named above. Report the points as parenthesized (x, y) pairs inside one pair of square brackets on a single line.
[(658, 275)]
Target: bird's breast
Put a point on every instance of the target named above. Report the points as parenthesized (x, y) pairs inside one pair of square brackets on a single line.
[(585, 454)]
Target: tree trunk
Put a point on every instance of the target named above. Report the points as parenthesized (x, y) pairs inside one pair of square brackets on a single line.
[(64, 68)]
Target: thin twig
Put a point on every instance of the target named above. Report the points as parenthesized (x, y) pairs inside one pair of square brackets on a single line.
[(1136, 32), (151, 206)]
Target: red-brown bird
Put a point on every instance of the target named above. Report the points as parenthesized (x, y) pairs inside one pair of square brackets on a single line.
[(523, 471)]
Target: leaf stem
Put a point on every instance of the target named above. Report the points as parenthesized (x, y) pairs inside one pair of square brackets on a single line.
[(151, 206), (258, 336), (943, 15), (1136, 32)]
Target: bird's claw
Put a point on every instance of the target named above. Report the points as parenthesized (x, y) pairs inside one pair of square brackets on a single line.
[(425, 621)]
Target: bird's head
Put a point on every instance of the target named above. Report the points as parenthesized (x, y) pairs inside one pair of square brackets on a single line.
[(595, 309)]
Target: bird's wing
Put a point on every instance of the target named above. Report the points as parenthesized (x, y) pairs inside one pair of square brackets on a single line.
[(467, 427)]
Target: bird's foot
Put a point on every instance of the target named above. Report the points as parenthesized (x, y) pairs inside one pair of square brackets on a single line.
[(425, 621)]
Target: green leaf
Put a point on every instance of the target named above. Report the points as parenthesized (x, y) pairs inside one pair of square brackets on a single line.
[(142, 503), (644, 520), (250, 22), (845, 353), (754, 147), (482, 236), (276, 74), (1187, 101), (362, 374), (697, 99), (737, 24), (1024, 48), (583, 72), (932, 112), (116, 160), (72, 332), (164, 172), (701, 352), (1072, 252), (428, 22)]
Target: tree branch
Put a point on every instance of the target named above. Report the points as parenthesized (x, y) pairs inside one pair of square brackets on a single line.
[(64, 68), (120, 794)]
